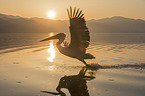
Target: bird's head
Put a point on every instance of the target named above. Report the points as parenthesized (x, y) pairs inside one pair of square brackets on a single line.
[(57, 36)]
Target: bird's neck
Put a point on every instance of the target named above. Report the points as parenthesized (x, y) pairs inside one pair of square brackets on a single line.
[(58, 44)]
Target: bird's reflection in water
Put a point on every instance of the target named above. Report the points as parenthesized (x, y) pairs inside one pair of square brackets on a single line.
[(76, 84)]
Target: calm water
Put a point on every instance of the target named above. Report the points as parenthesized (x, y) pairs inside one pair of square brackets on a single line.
[(28, 66), (108, 48)]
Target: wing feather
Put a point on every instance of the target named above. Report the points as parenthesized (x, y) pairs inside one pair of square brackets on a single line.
[(80, 37), (74, 12), (81, 16), (77, 12), (70, 11)]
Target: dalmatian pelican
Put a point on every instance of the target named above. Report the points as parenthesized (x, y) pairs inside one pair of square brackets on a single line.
[(80, 37)]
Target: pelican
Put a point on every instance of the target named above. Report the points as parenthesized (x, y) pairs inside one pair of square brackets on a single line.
[(80, 37)]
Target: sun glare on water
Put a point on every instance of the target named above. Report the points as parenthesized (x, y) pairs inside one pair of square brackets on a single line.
[(52, 52), (51, 14)]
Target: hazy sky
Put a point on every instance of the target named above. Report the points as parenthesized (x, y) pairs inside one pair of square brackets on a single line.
[(93, 9)]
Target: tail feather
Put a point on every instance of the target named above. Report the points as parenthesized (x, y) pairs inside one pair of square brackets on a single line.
[(89, 56)]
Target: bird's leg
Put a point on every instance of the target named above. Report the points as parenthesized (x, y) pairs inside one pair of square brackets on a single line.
[(82, 72), (84, 62), (87, 65)]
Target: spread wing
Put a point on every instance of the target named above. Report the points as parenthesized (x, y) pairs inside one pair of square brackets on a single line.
[(80, 37)]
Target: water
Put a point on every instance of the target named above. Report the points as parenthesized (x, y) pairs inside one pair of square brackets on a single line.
[(21, 39), (28, 66), (109, 48), (118, 38)]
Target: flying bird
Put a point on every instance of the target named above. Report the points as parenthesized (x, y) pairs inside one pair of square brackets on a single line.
[(80, 38)]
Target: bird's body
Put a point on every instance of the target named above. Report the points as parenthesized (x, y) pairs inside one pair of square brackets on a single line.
[(67, 50), (80, 37)]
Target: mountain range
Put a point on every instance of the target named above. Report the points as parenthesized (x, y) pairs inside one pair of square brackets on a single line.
[(116, 24)]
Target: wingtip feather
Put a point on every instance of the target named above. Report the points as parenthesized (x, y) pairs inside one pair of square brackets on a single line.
[(70, 11), (74, 12), (79, 14)]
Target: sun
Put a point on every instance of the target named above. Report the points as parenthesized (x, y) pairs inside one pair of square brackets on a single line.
[(51, 14)]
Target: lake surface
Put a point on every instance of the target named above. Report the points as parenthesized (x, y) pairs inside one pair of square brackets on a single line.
[(17, 39), (28, 66)]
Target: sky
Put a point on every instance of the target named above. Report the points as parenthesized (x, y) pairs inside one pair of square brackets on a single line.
[(93, 9)]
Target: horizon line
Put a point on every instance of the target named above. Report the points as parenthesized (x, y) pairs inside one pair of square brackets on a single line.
[(68, 18)]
